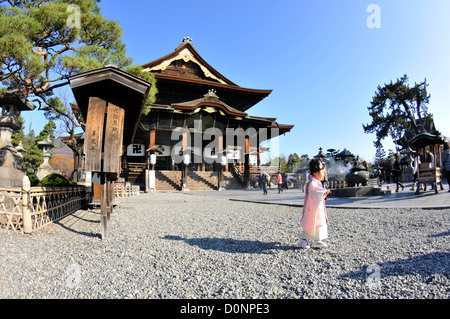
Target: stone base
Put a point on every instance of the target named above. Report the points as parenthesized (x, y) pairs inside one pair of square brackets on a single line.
[(360, 191), (10, 175), (43, 171)]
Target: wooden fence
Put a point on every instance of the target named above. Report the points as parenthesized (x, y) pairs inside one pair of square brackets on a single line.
[(126, 191), (28, 208)]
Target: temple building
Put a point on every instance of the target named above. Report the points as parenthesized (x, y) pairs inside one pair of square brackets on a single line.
[(198, 131)]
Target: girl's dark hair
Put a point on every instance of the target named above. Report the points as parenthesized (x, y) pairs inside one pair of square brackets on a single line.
[(315, 165)]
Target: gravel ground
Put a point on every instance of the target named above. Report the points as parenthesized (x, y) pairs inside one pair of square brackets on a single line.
[(185, 246)]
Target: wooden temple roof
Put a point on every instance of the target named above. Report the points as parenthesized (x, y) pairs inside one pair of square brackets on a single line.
[(186, 72), (425, 139), (211, 103), (183, 78), (209, 99)]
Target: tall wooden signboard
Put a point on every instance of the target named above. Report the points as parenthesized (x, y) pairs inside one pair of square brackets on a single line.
[(111, 101)]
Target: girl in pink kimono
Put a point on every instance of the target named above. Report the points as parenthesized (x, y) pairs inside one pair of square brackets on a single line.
[(314, 218)]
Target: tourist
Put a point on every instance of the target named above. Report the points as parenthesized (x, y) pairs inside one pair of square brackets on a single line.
[(287, 181), (396, 172), (445, 158), (314, 217), (280, 182), (415, 161), (264, 182)]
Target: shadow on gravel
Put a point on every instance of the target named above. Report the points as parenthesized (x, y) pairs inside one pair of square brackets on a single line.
[(229, 245), (69, 223), (425, 265), (447, 233)]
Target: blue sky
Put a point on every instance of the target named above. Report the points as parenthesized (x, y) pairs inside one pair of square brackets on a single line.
[(319, 57)]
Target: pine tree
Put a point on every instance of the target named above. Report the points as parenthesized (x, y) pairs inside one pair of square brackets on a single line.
[(44, 42), (396, 108)]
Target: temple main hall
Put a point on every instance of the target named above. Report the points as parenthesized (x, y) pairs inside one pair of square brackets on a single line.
[(198, 134)]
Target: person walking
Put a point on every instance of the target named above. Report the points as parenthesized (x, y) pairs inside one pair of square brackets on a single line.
[(280, 182), (396, 172), (415, 161), (314, 217), (264, 183), (445, 158)]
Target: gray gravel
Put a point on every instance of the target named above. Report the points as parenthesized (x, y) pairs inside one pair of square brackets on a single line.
[(176, 245)]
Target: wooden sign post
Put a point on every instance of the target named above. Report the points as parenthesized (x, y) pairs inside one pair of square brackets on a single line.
[(111, 101), (103, 149)]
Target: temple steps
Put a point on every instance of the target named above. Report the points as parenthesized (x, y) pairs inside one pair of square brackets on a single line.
[(230, 181), (168, 180), (171, 180), (202, 180), (136, 177)]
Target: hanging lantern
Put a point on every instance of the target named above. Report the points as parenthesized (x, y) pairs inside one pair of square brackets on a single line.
[(223, 160), (186, 159), (153, 159)]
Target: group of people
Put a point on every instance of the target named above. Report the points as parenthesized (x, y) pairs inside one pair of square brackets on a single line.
[(265, 180), (314, 221), (415, 160)]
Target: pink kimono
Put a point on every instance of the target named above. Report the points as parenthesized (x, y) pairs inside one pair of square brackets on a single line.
[(314, 218)]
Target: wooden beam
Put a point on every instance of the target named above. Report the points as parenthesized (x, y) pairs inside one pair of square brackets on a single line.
[(94, 134), (152, 141), (113, 139)]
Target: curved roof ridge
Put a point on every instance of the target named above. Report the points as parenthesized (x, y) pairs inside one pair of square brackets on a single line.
[(211, 101), (187, 44)]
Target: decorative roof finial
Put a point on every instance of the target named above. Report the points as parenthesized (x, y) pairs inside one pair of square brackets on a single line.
[(211, 93), (185, 40)]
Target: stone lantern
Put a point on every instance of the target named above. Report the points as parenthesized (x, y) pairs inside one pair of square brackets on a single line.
[(12, 103), (45, 168), (20, 149)]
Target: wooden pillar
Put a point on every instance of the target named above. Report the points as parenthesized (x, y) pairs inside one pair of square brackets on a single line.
[(219, 165), (184, 175), (247, 163), (152, 140), (258, 157), (26, 213), (435, 148), (440, 149), (109, 198), (103, 205), (151, 145)]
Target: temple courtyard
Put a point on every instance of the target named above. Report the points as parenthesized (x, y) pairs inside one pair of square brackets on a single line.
[(235, 245)]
